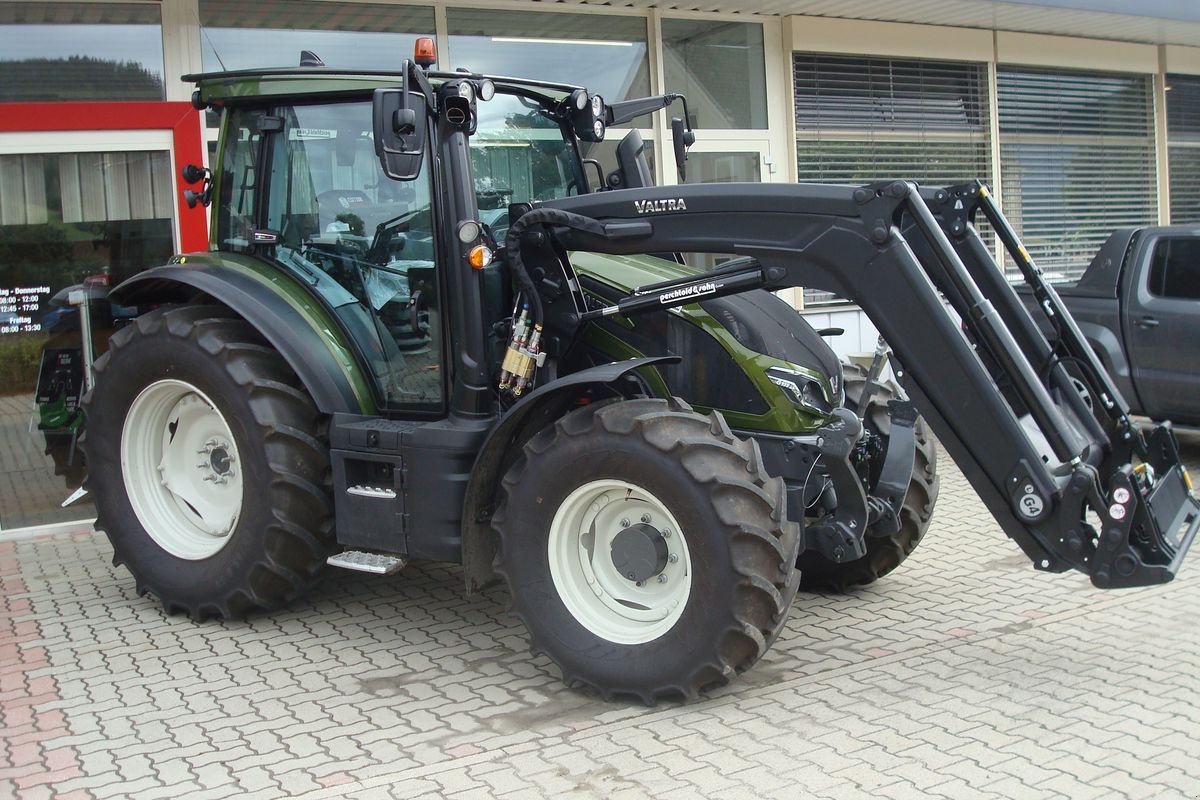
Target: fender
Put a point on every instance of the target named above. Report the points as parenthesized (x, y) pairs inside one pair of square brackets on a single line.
[(538, 409), (320, 356)]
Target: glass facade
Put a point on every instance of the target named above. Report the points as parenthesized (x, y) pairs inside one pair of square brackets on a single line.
[(721, 68), (72, 225), (607, 54), (273, 33), (80, 51)]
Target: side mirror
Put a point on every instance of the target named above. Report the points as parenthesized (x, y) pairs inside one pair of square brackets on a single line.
[(193, 174), (398, 117), (683, 138)]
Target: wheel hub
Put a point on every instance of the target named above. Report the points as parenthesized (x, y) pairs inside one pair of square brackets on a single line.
[(639, 552), (216, 463)]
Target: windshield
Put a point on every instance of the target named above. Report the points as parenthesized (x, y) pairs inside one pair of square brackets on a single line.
[(519, 154)]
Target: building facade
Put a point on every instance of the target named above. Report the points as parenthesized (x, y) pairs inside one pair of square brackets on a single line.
[(1084, 115)]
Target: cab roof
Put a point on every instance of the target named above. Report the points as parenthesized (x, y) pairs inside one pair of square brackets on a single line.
[(219, 88)]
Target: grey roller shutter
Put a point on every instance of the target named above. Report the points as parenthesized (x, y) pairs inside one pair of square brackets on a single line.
[(1077, 160), (1183, 137), (865, 119)]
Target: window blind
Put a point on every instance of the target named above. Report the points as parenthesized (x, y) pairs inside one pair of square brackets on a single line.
[(1076, 159), (865, 119), (1183, 146)]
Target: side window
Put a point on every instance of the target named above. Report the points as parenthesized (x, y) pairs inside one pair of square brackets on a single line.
[(1175, 269), (364, 241), (235, 208)]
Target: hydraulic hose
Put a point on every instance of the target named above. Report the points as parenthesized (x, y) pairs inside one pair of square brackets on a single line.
[(542, 216)]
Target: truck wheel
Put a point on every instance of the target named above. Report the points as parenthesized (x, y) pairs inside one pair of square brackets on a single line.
[(884, 553), (646, 549), (208, 464)]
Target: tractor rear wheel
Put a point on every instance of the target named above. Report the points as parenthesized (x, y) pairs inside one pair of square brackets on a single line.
[(208, 464), (884, 553), (646, 549)]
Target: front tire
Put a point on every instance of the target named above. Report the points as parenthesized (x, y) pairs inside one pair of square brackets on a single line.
[(646, 549), (884, 553), (208, 464)]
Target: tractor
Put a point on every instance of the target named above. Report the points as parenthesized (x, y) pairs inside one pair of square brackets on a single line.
[(427, 327)]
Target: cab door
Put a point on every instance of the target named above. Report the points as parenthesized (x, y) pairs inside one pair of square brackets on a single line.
[(365, 242)]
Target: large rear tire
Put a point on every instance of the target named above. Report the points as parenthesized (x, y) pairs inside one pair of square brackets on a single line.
[(884, 553), (646, 549), (208, 464)]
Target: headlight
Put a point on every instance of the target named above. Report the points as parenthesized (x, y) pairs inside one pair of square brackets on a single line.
[(465, 89), (597, 105), (801, 389)]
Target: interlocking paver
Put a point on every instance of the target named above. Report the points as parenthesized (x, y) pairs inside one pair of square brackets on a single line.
[(963, 674)]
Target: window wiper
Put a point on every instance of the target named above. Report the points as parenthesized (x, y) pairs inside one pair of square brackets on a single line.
[(384, 231)]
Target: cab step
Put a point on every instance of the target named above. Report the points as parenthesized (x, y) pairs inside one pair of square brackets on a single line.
[(360, 561)]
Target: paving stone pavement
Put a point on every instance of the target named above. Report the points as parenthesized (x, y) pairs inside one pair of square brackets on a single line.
[(964, 674)]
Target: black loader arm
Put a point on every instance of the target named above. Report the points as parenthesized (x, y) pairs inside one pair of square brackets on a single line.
[(1033, 453)]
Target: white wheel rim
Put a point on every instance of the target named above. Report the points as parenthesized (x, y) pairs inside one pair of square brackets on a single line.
[(601, 599), (182, 471)]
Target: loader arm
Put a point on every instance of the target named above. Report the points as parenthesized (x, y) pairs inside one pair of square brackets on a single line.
[(1038, 459)]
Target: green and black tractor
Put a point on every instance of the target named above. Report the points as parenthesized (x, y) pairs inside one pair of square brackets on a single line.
[(427, 327)]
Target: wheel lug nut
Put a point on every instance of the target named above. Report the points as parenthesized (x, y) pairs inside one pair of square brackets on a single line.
[(646, 518), (662, 578), (672, 558), (666, 534), (624, 523)]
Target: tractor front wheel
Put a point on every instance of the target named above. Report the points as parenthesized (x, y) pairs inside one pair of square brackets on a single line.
[(646, 549), (208, 464)]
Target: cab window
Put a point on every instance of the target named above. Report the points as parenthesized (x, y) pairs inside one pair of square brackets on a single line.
[(365, 242)]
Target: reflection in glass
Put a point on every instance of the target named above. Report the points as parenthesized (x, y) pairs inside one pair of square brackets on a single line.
[(722, 167), (606, 54), (271, 33), (519, 155), (719, 168), (720, 68), (70, 224), (80, 51)]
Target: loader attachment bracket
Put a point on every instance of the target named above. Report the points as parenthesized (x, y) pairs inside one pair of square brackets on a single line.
[(1144, 542), (889, 492)]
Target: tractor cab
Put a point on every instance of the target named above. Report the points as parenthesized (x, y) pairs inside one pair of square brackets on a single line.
[(354, 186)]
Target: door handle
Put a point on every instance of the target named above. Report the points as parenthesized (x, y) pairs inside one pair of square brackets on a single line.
[(1146, 323)]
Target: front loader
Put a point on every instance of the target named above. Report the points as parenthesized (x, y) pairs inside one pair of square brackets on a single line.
[(420, 333)]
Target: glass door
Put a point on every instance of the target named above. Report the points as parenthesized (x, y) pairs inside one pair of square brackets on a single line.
[(725, 162), (74, 222), (728, 160)]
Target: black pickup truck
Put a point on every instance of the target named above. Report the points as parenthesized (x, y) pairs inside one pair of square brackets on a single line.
[(1138, 303)]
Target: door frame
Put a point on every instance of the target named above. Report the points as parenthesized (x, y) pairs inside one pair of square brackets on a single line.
[(123, 124), (769, 170)]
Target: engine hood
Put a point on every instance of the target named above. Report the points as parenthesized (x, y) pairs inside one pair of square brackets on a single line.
[(758, 331)]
